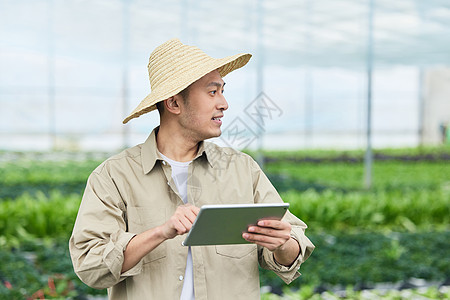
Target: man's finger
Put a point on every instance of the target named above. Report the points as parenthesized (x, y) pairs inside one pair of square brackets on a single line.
[(192, 213), (271, 243), (262, 240), (182, 226), (188, 211), (263, 230), (277, 224), (195, 209), (186, 222)]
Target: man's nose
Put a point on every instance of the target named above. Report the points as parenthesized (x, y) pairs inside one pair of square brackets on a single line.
[(223, 104)]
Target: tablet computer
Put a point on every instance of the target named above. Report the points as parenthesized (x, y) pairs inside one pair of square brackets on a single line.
[(224, 224)]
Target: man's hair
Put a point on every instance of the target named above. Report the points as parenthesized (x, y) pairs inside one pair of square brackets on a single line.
[(184, 95)]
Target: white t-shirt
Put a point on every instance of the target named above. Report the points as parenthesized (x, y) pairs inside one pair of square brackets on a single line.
[(180, 177)]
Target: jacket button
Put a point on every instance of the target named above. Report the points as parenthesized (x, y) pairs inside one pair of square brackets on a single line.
[(181, 277)]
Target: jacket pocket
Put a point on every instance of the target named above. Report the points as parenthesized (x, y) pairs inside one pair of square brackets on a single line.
[(236, 251), (141, 219)]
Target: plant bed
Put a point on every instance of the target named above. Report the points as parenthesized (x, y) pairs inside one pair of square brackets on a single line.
[(363, 261), (41, 269), (366, 259), (429, 292)]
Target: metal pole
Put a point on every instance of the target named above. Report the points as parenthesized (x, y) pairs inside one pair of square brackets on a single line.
[(368, 159), (184, 20), (309, 107), (309, 103), (421, 99), (51, 75), (125, 55), (260, 74)]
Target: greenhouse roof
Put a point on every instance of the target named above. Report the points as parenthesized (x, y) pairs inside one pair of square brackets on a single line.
[(328, 33)]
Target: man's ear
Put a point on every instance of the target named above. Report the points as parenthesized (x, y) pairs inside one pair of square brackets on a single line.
[(172, 105)]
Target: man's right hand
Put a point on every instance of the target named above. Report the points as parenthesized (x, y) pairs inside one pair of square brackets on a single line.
[(141, 244), (180, 222)]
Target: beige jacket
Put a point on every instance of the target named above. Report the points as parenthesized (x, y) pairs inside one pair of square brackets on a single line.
[(134, 191)]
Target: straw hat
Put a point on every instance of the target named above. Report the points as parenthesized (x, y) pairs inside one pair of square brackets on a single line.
[(173, 66)]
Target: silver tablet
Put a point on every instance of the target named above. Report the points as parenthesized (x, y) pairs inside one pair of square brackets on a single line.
[(224, 224)]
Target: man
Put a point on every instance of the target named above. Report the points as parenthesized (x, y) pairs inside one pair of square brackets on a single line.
[(138, 204)]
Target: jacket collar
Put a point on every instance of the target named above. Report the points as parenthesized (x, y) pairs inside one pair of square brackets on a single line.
[(150, 154)]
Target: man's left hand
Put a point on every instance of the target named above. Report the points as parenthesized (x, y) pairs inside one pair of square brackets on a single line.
[(275, 236), (272, 234)]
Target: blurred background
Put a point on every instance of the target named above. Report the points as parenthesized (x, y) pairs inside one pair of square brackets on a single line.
[(72, 70), (345, 103)]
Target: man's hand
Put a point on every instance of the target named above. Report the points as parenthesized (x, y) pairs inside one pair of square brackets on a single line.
[(276, 236), (180, 222), (272, 234), (141, 244)]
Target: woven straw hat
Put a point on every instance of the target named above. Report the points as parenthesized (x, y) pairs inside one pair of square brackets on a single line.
[(173, 66)]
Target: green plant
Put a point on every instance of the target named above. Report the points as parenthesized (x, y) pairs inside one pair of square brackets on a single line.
[(40, 269), (365, 259), (397, 230), (40, 216), (349, 293), (32, 177), (389, 175), (17, 276), (58, 287), (378, 210)]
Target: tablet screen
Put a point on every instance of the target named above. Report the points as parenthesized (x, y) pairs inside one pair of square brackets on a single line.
[(224, 224)]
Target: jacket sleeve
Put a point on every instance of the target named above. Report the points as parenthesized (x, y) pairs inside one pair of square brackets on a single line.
[(264, 192), (100, 235)]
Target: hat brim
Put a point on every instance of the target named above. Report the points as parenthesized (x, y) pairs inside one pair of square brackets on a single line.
[(223, 65)]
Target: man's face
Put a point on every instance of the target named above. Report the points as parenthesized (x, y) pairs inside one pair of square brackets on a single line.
[(201, 113)]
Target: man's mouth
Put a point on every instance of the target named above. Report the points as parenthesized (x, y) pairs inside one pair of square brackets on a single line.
[(217, 120)]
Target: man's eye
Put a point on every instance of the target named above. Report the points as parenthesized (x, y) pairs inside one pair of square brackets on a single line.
[(213, 92)]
